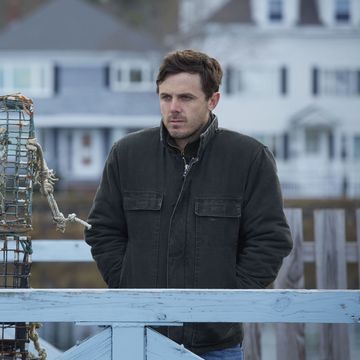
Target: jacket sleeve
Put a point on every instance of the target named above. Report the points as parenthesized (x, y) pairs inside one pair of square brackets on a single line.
[(265, 237), (108, 234)]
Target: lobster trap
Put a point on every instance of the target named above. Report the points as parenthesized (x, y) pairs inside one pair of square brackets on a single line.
[(16, 183), (22, 165)]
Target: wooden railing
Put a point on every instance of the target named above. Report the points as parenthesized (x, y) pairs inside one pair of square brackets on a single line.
[(290, 308), (128, 313)]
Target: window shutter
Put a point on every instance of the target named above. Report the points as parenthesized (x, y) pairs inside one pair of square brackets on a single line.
[(107, 76), (283, 80), (344, 154), (286, 146), (229, 73), (331, 148), (56, 79), (315, 81)]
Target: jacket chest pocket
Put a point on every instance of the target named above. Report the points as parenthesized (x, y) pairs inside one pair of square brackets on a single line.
[(142, 210), (217, 221)]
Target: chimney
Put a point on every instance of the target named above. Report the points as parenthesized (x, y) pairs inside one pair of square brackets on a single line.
[(13, 11)]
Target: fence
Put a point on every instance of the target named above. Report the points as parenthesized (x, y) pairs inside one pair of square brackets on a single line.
[(129, 312), (330, 251)]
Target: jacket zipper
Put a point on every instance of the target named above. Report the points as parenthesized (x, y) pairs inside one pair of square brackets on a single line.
[(187, 168)]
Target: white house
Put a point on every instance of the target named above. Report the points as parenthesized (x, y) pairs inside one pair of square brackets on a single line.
[(91, 78), (292, 79)]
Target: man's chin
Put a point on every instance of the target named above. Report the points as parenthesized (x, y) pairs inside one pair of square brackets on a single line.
[(177, 135)]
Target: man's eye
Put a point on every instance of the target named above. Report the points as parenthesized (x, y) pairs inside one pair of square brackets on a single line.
[(186, 97), (166, 98)]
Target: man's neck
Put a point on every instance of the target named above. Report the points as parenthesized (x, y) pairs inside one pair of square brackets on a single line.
[(182, 143)]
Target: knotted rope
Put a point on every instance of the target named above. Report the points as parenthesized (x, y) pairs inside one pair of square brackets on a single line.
[(45, 177), (34, 337)]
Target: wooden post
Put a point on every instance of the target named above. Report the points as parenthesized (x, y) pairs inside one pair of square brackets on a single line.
[(358, 241), (128, 341), (290, 338), (252, 341), (159, 347), (331, 274)]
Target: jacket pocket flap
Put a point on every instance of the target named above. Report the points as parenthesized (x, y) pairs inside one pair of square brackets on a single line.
[(219, 207), (142, 200)]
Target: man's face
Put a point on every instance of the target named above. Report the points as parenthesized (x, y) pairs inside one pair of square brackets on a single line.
[(183, 106)]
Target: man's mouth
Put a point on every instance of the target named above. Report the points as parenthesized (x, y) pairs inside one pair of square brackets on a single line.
[(176, 119)]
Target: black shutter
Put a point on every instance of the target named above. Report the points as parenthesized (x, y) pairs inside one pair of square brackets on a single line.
[(56, 79), (107, 141), (344, 154), (107, 76), (315, 81), (286, 146), (331, 148), (283, 80), (229, 73)]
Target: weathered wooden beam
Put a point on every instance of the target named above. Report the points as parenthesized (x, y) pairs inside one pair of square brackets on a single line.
[(61, 251), (290, 338), (95, 348), (128, 342), (358, 240), (159, 347), (331, 274), (79, 251), (177, 305)]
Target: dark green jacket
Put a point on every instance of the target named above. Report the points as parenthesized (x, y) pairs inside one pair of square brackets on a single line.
[(216, 222)]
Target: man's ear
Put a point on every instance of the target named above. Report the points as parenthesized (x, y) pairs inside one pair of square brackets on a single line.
[(213, 101)]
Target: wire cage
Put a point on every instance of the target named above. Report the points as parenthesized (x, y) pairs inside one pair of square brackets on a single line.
[(16, 182)]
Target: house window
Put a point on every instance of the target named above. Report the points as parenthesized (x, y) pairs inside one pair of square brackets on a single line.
[(1, 78), (136, 76), (344, 82), (32, 79), (342, 10), (255, 81), (357, 147), (22, 78), (312, 140), (132, 75), (275, 10)]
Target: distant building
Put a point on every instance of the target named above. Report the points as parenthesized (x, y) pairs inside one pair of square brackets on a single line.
[(91, 78), (292, 79)]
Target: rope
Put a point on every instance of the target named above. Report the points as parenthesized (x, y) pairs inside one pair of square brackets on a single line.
[(45, 177), (34, 337), (16, 100)]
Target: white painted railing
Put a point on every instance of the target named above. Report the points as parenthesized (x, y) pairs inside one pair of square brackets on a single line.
[(129, 312)]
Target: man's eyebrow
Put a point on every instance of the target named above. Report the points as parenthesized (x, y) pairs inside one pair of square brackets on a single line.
[(187, 94)]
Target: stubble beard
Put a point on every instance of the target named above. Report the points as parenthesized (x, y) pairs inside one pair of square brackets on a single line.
[(190, 135)]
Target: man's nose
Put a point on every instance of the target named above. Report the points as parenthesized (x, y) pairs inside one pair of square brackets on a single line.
[(174, 105)]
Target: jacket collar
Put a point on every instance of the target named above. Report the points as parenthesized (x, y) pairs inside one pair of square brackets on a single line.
[(205, 136)]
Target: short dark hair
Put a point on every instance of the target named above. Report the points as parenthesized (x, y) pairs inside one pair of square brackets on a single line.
[(193, 62)]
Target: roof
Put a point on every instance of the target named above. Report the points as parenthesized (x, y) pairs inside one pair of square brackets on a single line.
[(240, 12), (73, 25), (235, 11), (313, 116)]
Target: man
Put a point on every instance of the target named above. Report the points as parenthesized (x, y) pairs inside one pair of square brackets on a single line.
[(190, 205)]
